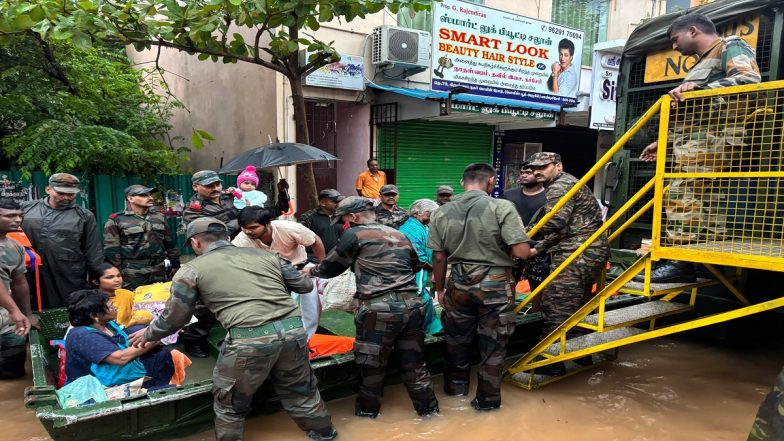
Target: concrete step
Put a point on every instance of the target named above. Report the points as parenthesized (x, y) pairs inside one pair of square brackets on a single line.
[(637, 313), (593, 339)]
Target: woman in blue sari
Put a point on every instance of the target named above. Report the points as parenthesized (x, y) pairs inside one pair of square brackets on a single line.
[(98, 346), (415, 229)]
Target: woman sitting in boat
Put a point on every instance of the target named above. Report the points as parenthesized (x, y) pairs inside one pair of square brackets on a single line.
[(133, 308), (97, 345)]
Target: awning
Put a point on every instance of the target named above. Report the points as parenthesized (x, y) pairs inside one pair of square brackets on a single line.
[(423, 94)]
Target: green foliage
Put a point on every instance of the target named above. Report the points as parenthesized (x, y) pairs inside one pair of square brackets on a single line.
[(206, 27), (63, 108)]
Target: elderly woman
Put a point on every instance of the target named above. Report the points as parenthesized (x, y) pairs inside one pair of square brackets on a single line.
[(415, 229), (98, 346)]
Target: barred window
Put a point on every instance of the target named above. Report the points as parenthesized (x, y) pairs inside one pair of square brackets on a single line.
[(587, 15), (422, 20)]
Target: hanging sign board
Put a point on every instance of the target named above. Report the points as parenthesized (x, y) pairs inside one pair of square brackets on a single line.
[(500, 54)]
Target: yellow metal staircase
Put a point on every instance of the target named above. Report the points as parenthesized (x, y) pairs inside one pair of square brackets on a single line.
[(750, 183)]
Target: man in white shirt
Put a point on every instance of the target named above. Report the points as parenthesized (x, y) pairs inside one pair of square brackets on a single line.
[(288, 239)]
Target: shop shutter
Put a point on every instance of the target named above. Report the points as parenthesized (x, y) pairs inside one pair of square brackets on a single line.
[(431, 154)]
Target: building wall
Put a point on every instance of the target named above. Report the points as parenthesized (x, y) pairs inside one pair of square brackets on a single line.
[(235, 103), (626, 15), (353, 148)]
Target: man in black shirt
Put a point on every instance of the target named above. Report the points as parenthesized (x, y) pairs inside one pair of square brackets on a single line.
[(529, 197), (319, 220)]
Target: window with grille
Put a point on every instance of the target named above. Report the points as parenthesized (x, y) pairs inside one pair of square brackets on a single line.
[(422, 20), (587, 15)]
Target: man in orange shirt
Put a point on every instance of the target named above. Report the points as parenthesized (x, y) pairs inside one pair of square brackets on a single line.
[(369, 182)]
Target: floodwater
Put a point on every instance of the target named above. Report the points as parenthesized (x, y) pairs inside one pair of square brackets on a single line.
[(664, 390)]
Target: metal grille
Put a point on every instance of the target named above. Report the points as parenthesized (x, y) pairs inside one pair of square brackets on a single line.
[(724, 174), (385, 148), (765, 42), (639, 174)]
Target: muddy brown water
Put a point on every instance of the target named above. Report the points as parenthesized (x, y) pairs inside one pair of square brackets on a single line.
[(665, 390)]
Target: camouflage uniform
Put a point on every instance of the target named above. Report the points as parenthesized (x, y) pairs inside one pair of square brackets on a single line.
[(391, 312), (476, 232), (12, 347), (394, 218), (769, 423), (248, 289), (138, 245), (571, 226), (195, 335), (708, 141), (224, 211)]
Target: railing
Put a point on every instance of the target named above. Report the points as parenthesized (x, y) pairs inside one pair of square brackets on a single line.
[(721, 153), (746, 177)]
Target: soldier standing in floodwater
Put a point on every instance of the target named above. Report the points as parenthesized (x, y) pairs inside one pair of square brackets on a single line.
[(477, 235), (248, 290), (391, 311)]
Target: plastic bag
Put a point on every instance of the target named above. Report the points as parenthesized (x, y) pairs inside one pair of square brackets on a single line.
[(126, 390), (81, 392), (339, 292)]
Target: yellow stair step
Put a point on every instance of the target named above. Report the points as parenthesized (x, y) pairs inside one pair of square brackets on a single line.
[(637, 313), (593, 339)]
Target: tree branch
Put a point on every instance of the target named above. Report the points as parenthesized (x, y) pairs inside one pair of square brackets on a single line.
[(315, 64), (57, 71), (203, 50)]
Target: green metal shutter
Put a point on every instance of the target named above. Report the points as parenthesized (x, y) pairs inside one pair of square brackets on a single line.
[(430, 154)]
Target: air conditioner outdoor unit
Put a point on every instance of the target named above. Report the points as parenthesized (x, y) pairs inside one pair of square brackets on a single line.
[(401, 46)]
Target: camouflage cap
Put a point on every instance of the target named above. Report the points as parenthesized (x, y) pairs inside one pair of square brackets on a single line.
[(137, 189), (445, 189), (205, 225), (526, 166), (205, 177), (64, 183), (543, 158), (353, 204), (389, 188), (331, 193)]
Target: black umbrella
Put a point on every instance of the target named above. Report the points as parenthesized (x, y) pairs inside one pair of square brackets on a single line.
[(277, 155)]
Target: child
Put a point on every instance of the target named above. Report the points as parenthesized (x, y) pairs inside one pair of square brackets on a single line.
[(246, 193)]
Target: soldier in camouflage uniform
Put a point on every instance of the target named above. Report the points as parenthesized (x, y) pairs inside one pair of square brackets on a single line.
[(138, 241), (703, 141), (248, 289), (15, 314), (391, 312), (571, 226), (769, 423), (209, 201), (387, 211), (478, 236)]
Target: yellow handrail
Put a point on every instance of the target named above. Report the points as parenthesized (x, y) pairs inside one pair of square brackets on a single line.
[(605, 226), (650, 113)]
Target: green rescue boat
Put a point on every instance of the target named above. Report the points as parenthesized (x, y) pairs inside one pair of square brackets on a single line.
[(188, 408)]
